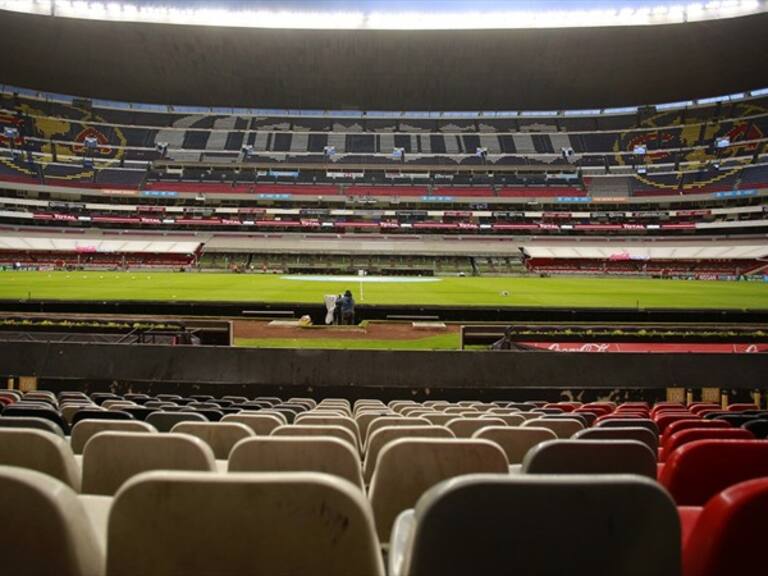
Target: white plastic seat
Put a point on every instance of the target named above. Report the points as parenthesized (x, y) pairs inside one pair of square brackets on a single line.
[(173, 523), (44, 528), (516, 442), (86, 429), (383, 436), (260, 424), (41, 451), (408, 467), (111, 458), (220, 436)]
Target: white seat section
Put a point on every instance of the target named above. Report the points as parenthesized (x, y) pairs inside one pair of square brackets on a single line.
[(220, 436), (44, 527), (111, 458), (165, 523), (260, 424), (546, 524), (41, 451), (85, 429), (317, 430), (407, 467), (515, 441), (383, 436), (510, 419), (465, 427), (564, 428), (297, 454), (440, 418)]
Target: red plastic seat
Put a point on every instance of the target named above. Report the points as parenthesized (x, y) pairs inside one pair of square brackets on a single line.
[(698, 407), (729, 533), (674, 441), (665, 420), (741, 407), (676, 427), (700, 469), (667, 406)]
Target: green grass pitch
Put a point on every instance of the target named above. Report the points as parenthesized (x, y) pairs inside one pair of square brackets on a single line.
[(477, 291)]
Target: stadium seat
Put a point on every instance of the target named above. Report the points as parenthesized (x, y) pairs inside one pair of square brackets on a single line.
[(294, 523), (673, 442), (439, 419), (466, 427), (729, 532), (32, 422), (515, 441), (509, 419), (140, 412), (19, 410), (736, 419), (260, 424), (220, 436), (591, 457), (693, 423), (93, 414), (389, 421), (492, 524), (564, 428), (758, 428), (41, 451), (664, 420), (383, 436), (318, 430), (639, 434), (111, 458), (343, 421), (407, 467), (699, 470), (164, 421), (629, 423), (297, 454), (86, 429), (45, 528), (741, 407)]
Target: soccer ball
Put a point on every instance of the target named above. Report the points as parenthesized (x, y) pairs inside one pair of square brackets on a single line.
[(505, 292)]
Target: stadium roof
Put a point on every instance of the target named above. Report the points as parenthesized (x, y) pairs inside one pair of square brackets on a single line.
[(420, 70)]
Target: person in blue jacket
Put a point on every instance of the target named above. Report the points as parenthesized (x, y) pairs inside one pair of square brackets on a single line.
[(347, 308)]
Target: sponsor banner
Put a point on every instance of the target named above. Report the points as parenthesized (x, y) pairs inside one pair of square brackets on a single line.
[(159, 193), (335, 174), (610, 199), (649, 347), (437, 198), (118, 192), (735, 194), (273, 196), (283, 173), (574, 199), (409, 175)]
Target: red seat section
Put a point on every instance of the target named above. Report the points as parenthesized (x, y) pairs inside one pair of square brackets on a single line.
[(533, 192), (664, 419), (700, 469), (729, 534), (742, 407)]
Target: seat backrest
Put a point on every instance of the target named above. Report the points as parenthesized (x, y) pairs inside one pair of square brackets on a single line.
[(220, 436), (389, 421), (628, 423), (48, 413), (297, 454), (680, 425), (639, 434), (225, 524), (515, 441), (44, 528), (729, 532), (758, 428), (317, 430), (664, 420), (86, 429), (365, 417), (455, 529), (111, 458), (32, 422), (164, 421), (563, 428), (382, 436), (343, 421), (466, 427), (591, 457), (260, 424), (406, 468), (439, 418), (41, 451), (509, 419), (673, 442), (698, 470), (99, 414)]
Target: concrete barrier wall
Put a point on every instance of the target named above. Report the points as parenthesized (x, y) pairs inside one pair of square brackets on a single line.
[(374, 369)]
